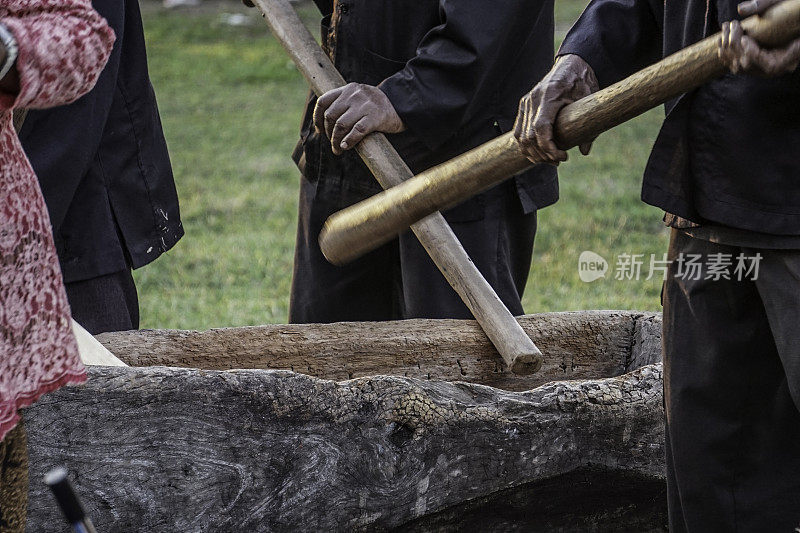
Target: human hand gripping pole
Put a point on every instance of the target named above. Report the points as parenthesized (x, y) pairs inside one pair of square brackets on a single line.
[(354, 231), (518, 351), (350, 113), (742, 54)]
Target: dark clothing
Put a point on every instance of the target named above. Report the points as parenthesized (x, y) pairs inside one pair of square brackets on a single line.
[(105, 303), (726, 153), (731, 372), (103, 166), (368, 288), (399, 280), (724, 167), (500, 245), (454, 72)]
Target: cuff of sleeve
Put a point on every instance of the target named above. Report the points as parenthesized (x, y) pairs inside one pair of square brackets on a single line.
[(418, 118), (601, 65)]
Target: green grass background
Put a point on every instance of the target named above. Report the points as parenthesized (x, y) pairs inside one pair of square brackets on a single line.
[(231, 103)]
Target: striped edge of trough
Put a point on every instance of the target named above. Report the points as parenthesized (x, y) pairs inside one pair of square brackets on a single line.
[(379, 426)]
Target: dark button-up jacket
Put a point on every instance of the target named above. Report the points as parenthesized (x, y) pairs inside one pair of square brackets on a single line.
[(727, 153), (103, 166), (453, 70)]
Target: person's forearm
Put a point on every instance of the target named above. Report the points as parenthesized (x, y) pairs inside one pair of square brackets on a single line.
[(459, 62)]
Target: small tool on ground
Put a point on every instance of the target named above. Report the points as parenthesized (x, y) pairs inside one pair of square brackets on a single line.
[(68, 501)]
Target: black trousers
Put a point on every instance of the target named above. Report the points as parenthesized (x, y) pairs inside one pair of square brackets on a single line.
[(105, 303), (732, 392), (399, 280)]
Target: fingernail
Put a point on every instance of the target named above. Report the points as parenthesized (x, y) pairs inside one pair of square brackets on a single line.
[(344, 145)]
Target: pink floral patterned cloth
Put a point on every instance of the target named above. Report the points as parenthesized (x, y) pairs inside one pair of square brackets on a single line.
[(63, 46)]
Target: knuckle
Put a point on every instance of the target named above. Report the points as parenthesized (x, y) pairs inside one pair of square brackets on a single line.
[(540, 125)]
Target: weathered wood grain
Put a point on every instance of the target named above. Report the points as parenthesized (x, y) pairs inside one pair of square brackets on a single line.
[(579, 345), (358, 229), (171, 449), (165, 449)]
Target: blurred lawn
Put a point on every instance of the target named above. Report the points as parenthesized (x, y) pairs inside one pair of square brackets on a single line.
[(231, 103)]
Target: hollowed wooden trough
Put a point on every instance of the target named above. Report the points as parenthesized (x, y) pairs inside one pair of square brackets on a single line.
[(406, 425)]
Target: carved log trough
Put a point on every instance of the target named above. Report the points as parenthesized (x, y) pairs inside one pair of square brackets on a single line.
[(407, 426)]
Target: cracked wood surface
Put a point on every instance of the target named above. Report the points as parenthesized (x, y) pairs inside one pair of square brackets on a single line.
[(173, 449)]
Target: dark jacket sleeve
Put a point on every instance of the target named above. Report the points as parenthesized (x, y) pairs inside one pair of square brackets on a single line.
[(62, 152), (617, 37), (458, 64)]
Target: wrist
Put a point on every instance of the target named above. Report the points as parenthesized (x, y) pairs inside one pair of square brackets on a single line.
[(578, 68), (393, 122)]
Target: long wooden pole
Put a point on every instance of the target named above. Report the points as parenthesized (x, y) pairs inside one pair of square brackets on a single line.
[(518, 351), (363, 227)]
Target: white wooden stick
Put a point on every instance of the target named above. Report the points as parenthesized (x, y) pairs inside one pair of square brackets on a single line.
[(92, 352)]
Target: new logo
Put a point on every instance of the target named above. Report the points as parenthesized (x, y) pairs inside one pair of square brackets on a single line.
[(591, 267)]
